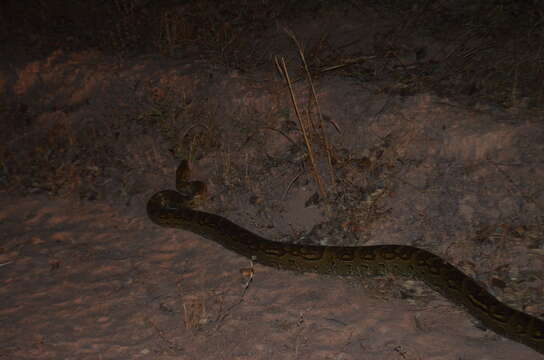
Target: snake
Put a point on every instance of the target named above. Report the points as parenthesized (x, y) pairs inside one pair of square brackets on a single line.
[(175, 209)]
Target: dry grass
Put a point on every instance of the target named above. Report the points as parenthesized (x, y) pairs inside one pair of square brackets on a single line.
[(189, 129), (310, 129), (194, 313), (487, 52)]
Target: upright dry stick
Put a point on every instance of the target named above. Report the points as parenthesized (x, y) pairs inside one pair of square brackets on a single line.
[(309, 149), (321, 132)]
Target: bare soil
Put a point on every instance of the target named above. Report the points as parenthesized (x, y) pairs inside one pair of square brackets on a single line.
[(420, 137)]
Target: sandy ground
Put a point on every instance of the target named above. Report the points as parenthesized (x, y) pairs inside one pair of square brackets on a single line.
[(86, 281), (96, 280), (88, 137)]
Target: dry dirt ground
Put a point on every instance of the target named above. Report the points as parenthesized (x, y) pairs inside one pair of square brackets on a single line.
[(90, 133)]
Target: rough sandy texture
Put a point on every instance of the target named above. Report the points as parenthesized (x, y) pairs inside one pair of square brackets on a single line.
[(88, 138), (86, 281)]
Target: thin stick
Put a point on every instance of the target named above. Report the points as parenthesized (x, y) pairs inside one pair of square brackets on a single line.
[(309, 149)]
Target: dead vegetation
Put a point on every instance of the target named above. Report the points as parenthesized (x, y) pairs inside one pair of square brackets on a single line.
[(486, 53), (482, 51), (474, 52)]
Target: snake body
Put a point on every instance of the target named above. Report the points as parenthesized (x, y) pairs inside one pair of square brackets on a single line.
[(168, 208)]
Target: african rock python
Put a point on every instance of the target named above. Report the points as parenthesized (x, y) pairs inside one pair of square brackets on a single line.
[(170, 208)]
